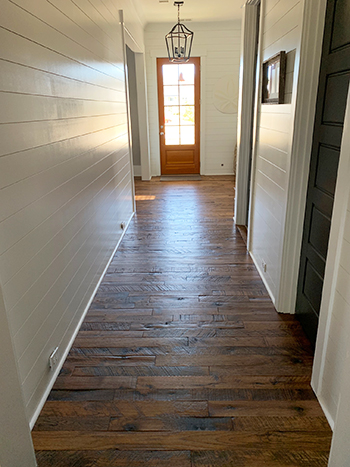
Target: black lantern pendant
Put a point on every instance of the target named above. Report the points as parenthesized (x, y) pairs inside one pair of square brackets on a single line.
[(179, 40)]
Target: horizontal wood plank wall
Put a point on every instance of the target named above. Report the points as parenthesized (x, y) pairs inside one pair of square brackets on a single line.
[(221, 44), (281, 31), (65, 183)]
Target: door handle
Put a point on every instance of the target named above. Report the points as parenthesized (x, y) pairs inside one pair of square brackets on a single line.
[(161, 133)]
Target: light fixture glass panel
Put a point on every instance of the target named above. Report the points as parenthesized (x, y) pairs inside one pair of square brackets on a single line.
[(187, 115), (187, 135), (172, 135), (172, 115), (187, 95), (186, 71), (171, 95), (170, 74)]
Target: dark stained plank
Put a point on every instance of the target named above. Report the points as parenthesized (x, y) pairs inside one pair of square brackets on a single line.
[(113, 458), (72, 424), (98, 382), (81, 395), (263, 457), (265, 408), (168, 423), (182, 360), (138, 371), (242, 364), (264, 424), (193, 440), (227, 381), (98, 341), (124, 409)]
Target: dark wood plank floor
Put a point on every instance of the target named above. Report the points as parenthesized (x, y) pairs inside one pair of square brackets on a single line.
[(182, 360)]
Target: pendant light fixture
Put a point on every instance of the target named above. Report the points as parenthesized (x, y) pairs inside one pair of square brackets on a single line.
[(179, 40)]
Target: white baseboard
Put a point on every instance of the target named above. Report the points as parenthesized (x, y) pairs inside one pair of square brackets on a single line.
[(65, 353), (326, 412), (137, 171), (263, 278), (217, 173)]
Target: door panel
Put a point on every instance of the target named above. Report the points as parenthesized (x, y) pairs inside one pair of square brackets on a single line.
[(328, 130), (179, 116)]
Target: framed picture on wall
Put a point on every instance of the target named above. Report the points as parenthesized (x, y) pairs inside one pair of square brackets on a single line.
[(274, 77)]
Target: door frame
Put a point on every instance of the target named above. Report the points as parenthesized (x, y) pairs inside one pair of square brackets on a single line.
[(142, 104), (341, 197), (197, 52), (246, 108), (197, 112)]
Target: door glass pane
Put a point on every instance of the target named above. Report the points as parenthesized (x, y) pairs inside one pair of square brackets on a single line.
[(170, 74), (187, 95), (171, 95), (172, 135), (187, 115), (187, 135), (186, 74), (179, 104), (171, 115)]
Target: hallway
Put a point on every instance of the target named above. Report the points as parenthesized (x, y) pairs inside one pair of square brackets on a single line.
[(182, 360)]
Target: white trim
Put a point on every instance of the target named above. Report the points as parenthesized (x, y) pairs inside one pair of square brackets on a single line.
[(305, 106), (257, 99), (131, 42), (341, 198), (142, 106), (203, 105), (262, 276), (217, 174), (245, 111), (326, 412), (65, 353), (131, 162)]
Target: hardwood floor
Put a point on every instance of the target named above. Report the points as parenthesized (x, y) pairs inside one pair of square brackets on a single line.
[(182, 360)]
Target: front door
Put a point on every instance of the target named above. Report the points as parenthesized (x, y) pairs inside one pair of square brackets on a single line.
[(328, 130), (179, 116)]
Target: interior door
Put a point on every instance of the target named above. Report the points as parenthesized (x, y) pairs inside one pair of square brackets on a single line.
[(179, 116), (328, 130)]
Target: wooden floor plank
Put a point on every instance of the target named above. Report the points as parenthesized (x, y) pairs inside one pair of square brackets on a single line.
[(185, 440), (257, 458), (182, 360), (113, 458)]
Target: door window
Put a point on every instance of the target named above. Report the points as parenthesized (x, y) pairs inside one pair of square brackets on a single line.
[(179, 100)]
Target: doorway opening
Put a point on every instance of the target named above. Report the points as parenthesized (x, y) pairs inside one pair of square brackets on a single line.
[(179, 116), (134, 111)]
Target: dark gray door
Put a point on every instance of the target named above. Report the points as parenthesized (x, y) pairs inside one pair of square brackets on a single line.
[(328, 130)]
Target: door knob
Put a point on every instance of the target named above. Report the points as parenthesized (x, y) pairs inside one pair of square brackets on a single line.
[(161, 133)]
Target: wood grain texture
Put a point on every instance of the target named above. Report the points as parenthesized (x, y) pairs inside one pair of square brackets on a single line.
[(213, 377)]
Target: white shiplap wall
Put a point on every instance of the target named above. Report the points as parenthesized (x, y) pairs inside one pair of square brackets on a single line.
[(218, 45), (65, 184), (281, 23)]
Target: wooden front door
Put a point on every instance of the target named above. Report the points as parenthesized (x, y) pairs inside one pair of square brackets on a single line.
[(179, 116), (328, 130)]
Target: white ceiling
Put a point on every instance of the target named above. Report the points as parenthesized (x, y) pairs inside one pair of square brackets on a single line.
[(196, 10)]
